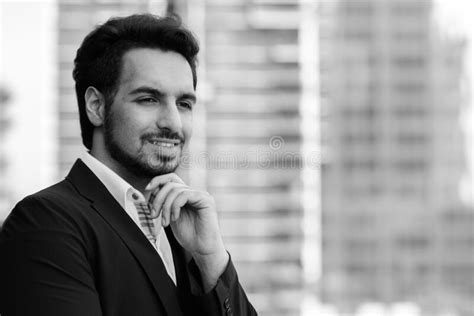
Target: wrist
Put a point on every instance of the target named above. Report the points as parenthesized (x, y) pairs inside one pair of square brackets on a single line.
[(205, 261), (211, 267)]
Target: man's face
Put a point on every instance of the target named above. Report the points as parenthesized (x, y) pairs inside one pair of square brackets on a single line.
[(150, 119)]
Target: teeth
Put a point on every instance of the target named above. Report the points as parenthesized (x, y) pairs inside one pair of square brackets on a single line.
[(169, 145)]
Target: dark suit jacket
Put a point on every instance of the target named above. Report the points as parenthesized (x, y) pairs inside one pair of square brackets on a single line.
[(72, 250)]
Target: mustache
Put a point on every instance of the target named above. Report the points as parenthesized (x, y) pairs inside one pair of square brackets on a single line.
[(166, 134)]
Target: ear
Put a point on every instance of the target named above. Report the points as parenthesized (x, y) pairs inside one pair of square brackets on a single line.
[(95, 106)]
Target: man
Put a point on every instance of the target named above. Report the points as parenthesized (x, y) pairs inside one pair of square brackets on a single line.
[(123, 234)]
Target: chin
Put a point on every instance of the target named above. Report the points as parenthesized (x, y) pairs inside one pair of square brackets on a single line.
[(157, 168), (164, 170)]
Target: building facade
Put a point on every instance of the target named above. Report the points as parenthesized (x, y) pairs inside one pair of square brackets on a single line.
[(253, 132), (391, 91), (4, 124)]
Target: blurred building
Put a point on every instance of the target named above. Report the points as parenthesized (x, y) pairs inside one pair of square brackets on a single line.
[(4, 124), (249, 89), (252, 67), (394, 227)]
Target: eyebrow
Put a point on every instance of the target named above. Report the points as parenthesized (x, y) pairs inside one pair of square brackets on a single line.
[(158, 94), (189, 96)]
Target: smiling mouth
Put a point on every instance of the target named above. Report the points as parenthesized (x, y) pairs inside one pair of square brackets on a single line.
[(167, 143)]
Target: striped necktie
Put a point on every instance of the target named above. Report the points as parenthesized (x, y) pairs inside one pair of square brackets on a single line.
[(147, 222), (153, 232)]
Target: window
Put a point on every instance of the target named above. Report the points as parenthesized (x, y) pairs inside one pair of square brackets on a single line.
[(357, 8), (360, 112), (410, 165), (412, 139), (415, 110), (410, 8), (357, 35), (409, 87), (409, 62), (420, 37), (367, 137), (413, 242)]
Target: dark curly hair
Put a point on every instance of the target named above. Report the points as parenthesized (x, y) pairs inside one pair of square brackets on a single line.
[(98, 62)]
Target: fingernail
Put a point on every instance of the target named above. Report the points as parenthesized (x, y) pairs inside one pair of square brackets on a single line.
[(173, 217), (148, 187), (163, 221), (154, 213)]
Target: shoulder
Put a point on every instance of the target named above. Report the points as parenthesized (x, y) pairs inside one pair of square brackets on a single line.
[(56, 207)]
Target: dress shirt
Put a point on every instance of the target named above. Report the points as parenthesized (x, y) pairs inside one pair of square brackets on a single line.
[(126, 195)]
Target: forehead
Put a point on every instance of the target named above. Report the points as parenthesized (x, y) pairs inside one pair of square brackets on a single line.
[(165, 70)]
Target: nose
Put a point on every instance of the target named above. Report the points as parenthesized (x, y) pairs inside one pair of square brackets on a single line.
[(168, 117)]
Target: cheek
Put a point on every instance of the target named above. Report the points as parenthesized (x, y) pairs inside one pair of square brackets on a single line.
[(123, 136), (188, 126), (126, 130)]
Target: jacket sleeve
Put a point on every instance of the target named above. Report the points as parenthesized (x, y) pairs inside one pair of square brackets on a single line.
[(43, 265), (227, 298)]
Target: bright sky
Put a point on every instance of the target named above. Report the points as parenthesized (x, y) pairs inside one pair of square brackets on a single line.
[(459, 13), (456, 17)]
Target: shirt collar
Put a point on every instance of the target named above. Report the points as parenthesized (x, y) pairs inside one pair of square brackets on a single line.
[(120, 189)]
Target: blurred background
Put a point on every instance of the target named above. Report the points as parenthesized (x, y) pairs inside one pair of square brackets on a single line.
[(335, 135)]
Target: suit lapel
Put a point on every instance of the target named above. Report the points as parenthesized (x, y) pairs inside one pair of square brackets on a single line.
[(181, 258), (103, 202)]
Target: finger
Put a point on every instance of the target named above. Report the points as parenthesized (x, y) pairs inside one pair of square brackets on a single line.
[(177, 204), (199, 199), (154, 210), (158, 181), (167, 210), (158, 197)]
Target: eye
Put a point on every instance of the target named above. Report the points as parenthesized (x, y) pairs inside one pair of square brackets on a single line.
[(186, 104), (146, 100)]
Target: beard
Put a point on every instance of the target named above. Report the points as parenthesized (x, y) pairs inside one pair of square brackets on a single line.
[(144, 164)]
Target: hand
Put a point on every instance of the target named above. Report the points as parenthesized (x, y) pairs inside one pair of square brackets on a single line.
[(193, 219)]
